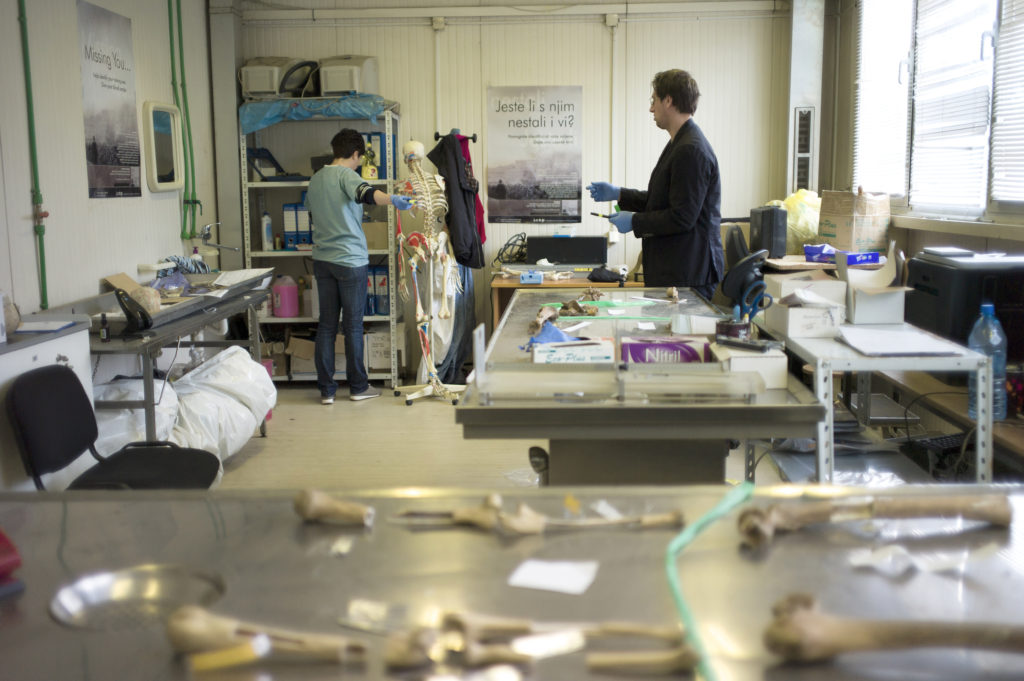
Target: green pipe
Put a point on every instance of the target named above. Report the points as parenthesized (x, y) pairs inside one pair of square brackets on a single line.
[(37, 196), (191, 161), (177, 103)]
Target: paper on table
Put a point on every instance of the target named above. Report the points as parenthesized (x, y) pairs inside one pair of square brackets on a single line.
[(571, 577), (645, 326), (576, 327), (232, 277), (614, 311), (872, 340), (40, 327)]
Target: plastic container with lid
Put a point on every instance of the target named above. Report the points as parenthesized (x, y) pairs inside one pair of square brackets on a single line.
[(286, 296)]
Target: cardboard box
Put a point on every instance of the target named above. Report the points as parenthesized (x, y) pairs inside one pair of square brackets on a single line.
[(300, 365), (378, 346), (280, 363), (773, 366), (665, 349), (854, 222), (593, 351), (301, 348), (805, 322), (870, 299), (376, 235), (778, 286)]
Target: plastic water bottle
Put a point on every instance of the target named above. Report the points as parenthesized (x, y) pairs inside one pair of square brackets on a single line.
[(987, 337), (267, 232)]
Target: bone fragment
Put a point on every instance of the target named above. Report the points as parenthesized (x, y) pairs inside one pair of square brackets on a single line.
[(759, 525), (646, 662), (409, 649), (672, 293), (484, 516), (546, 313), (591, 293), (192, 629), (316, 506), (801, 632)]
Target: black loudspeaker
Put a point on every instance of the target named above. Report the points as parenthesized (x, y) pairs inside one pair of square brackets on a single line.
[(768, 230), (570, 250)]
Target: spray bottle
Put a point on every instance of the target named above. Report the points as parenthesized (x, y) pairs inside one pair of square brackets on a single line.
[(267, 231)]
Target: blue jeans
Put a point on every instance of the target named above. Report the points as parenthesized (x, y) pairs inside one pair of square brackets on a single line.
[(342, 290)]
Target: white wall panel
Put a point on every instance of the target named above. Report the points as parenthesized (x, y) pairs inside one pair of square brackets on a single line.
[(87, 239)]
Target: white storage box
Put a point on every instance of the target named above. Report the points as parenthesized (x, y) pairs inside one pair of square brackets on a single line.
[(805, 322), (772, 365), (780, 285), (593, 351)]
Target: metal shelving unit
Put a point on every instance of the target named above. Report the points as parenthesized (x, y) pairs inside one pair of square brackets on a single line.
[(387, 123)]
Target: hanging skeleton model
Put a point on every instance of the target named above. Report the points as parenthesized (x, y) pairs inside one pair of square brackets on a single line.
[(435, 278)]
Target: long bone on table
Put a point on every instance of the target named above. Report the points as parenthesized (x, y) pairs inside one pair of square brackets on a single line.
[(801, 632)]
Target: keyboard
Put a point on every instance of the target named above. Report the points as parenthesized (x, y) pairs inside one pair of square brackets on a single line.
[(940, 445)]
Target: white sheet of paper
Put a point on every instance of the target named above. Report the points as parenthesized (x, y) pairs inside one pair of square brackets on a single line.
[(645, 326), (576, 327), (615, 310), (564, 576), (872, 340)]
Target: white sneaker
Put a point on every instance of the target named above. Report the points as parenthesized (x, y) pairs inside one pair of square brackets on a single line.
[(327, 399), (367, 394)]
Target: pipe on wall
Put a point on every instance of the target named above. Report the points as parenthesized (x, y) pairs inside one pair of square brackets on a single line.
[(38, 214)]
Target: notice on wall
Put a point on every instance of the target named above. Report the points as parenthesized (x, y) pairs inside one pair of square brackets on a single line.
[(108, 103), (534, 154)]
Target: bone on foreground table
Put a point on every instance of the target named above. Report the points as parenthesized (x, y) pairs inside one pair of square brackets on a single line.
[(278, 571)]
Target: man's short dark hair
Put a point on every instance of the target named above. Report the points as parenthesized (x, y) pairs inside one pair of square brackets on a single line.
[(680, 86), (346, 142)]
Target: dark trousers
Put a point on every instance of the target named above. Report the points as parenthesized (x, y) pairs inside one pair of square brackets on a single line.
[(342, 290)]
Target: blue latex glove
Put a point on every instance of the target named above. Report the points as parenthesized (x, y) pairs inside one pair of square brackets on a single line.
[(400, 202), (602, 191), (623, 221)]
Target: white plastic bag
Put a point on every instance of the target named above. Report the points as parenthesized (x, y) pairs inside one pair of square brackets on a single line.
[(222, 401), (118, 427)]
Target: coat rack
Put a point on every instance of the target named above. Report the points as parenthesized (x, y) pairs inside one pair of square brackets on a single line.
[(455, 131)]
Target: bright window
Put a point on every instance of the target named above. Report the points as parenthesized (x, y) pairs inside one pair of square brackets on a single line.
[(939, 120)]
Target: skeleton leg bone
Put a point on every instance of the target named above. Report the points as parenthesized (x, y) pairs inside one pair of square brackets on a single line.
[(801, 632), (192, 629), (759, 525)]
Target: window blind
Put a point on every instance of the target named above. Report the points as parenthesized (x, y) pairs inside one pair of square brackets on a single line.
[(881, 112), (952, 98), (1008, 106)]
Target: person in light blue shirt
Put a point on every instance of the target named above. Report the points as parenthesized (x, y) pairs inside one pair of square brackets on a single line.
[(335, 200)]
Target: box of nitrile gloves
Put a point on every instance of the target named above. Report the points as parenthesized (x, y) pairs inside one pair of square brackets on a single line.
[(665, 349)]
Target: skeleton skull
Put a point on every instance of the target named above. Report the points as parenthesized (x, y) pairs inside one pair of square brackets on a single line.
[(413, 150)]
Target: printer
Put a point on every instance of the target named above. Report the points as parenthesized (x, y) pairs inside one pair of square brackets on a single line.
[(949, 284)]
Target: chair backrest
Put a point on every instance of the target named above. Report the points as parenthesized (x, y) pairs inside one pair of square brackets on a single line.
[(735, 246), (52, 419)]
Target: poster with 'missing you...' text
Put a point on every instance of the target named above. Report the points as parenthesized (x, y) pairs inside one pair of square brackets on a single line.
[(108, 103), (534, 154)]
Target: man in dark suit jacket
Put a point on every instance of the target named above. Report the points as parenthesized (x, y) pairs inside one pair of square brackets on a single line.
[(679, 214)]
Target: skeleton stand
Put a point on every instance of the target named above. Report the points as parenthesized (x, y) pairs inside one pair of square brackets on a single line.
[(430, 197)]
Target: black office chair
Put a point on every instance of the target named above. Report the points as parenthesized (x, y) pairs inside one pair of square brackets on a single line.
[(54, 423)]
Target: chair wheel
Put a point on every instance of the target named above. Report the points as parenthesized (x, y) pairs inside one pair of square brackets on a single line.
[(408, 403), (455, 401), (397, 393)]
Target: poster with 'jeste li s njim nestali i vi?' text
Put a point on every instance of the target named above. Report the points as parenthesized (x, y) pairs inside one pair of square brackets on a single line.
[(534, 154)]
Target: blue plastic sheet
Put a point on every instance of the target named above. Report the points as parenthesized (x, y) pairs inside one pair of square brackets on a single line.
[(549, 333), (255, 116)]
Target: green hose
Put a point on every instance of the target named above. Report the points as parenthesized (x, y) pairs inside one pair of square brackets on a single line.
[(190, 160), (177, 103), (37, 196)]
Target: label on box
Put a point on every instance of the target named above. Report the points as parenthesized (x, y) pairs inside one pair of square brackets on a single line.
[(593, 351), (665, 349)]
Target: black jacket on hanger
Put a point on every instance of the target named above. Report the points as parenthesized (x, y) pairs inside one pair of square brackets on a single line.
[(460, 191)]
